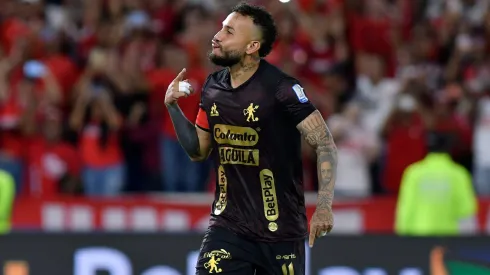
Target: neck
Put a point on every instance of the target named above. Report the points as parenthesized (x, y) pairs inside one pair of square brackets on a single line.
[(242, 71)]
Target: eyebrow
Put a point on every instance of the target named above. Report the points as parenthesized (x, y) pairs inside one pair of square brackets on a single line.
[(227, 26)]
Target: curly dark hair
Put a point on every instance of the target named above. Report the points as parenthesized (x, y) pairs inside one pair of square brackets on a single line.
[(264, 20)]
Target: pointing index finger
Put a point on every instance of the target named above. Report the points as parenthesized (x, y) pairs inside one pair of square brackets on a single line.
[(180, 76), (312, 236)]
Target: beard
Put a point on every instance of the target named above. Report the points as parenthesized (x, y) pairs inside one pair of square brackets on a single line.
[(228, 59)]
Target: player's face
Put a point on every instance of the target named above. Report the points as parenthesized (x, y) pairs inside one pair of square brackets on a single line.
[(238, 38)]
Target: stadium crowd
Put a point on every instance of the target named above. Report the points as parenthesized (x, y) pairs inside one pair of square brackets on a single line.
[(82, 86)]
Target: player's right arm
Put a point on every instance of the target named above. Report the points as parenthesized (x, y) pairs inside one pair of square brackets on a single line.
[(195, 141)]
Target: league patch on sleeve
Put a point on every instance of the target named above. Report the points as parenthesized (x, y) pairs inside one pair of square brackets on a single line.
[(300, 93)]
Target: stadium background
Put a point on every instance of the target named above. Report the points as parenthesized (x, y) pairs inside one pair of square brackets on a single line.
[(77, 76)]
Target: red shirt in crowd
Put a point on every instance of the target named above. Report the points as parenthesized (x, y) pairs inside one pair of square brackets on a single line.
[(12, 30), (64, 71), (11, 141), (373, 36), (11, 112), (11, 109), (93, 154), (164, 19), (158, 80), (405, 145), (47, 164)]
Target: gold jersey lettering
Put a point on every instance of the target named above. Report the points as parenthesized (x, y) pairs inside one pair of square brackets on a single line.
[(222, 185), (229, 155), (222, 254), (286, 257), (271, 209), (235, 135)]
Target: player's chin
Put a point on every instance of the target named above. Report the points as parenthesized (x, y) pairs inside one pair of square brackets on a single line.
[(214, 54), (218, 59)]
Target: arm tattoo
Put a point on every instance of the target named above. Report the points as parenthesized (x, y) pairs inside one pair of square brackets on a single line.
[(315, 132), (185, 130)]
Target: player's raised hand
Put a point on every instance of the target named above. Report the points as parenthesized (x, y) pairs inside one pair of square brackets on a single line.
[(178, 88), (321, 223)]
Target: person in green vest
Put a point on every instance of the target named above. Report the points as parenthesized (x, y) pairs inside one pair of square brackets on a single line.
[(7, 195), (436, 193)]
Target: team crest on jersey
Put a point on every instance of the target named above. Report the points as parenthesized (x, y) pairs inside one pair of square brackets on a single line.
[(214, 110), (213, 259), (300, 93), (249, 112)]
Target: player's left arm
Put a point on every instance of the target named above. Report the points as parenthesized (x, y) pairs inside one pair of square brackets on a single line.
[(316, 133), (314, 130)]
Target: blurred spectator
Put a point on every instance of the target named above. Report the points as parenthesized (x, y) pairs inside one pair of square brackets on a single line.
[(404, 135), (53, 165), (376, 92), (335, 90), (374, 31), (429, 189), (57, 59), (357, 147), (143, 132), (472, 11), (163, 18), (481, 147), (449, 116), (130, 88), (34, 88), (7, 195), (97, 121), (11, 149), (193, 30)]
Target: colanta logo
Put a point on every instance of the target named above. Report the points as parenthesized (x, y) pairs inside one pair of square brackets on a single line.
[(235, 135), (472, 262)]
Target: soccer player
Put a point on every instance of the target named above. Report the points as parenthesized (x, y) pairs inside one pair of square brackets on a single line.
[(251, 120)]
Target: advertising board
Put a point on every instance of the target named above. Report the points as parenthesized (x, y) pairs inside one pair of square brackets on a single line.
[(191, 213), (176, 254)]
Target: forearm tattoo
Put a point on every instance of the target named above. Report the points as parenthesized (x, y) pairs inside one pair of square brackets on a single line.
[(185, 130), (316, 133)]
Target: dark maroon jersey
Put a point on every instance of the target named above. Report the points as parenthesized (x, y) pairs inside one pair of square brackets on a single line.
[(257, 153)]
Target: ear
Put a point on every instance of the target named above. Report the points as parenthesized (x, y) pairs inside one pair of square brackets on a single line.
[(253, 47)]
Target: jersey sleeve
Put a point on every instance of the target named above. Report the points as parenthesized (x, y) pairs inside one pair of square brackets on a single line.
[(292, 97), (202, 117)]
